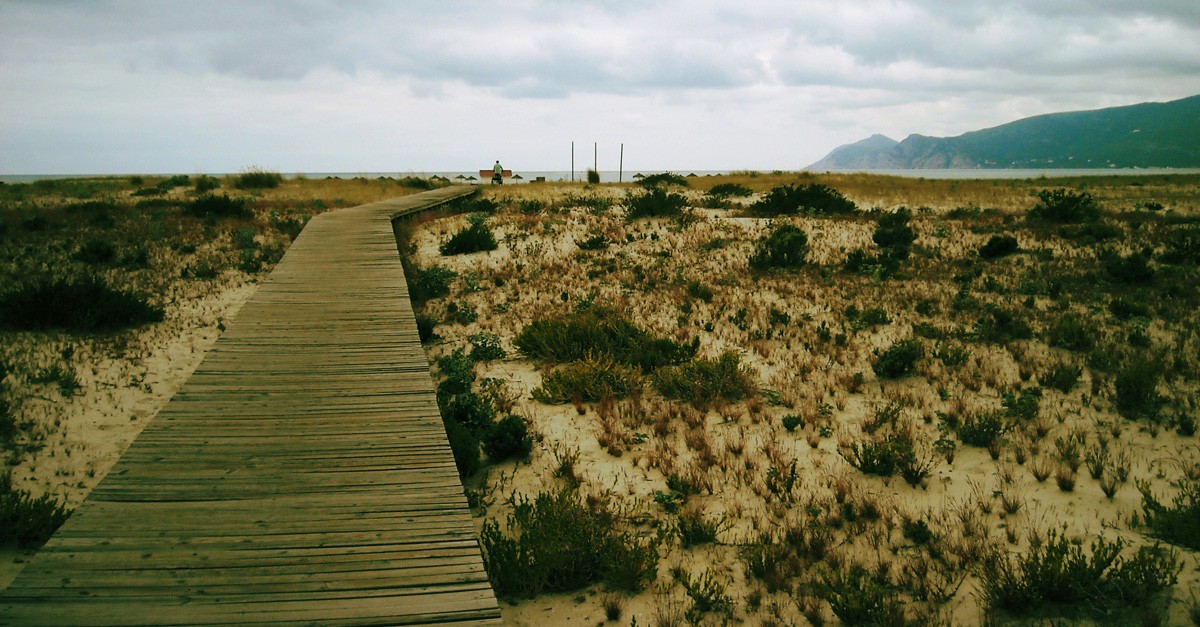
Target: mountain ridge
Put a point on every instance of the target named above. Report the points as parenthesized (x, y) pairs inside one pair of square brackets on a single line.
[(1149, 134)]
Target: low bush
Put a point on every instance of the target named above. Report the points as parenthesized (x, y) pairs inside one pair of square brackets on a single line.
[(1059, 576), (84, 303), (784, 248), (1137, 390), (1072, 333), (857, 598), (599, 332), (1000, 326), (1062, 206), (425, 328), (96, 251), (205, 183), (507, 438), (881, 456), (694, 528), (655, 202), (894, 234), (428, 283), (1131, 269), (416, 182), (703, 382), (1023, 405), (464, 444), (257, 179), (25, 521), (215, 207), (1125, 309), (981, 430), (486, 347), (662, 179), (729, 190), (998, 246), (810, 199), (899, 359), (476, 237), (588, 380), (1177, 523), (557, 543), (1062, 377)]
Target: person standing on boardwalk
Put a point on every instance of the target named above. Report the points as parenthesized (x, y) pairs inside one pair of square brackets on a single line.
[(498, 173)]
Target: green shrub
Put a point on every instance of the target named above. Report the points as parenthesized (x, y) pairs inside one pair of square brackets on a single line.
[(999, 326), (1023, 406), (1062, 206), (79, 304), (810, 199), (214, 206), (599, 332), (486, 347), (1058, 575), (697, 289), (593, 177), (881, 456), (1183, 246), (96, 251), (507, 438), (257, 179), (464, 444), (694, 528), (1124, 309), (729, 190), (663, 179), (476, 237), (899, 360), (425, 328), (998, 246), (655, 202), (469, 410), (1062, 377), (894, 234), (557, 543), (416, 182), (1133, 269), (857, 598), (25, 521), (1137, 390), (981, 430), (785, 247), (704, 381), (597, 241), (205, 183), (588, 380), (428, 283), (1178, 523)]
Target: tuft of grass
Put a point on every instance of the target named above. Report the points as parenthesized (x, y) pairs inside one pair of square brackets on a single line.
[(999, 326), (703, 381), (599, 332), (857, 598), (729, 190), (588, 380), (428, 283), (1062, 376), (557, 543), (84, 304), (255, 178), (981, 430)]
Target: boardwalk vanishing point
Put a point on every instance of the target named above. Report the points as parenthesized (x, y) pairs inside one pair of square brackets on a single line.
[(300, 475)]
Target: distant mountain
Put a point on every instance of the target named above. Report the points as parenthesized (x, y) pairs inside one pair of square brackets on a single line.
[(1152, 134)]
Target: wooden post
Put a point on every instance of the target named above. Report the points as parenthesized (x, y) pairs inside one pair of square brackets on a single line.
[(595, 160), (621, 164), (572, 161)]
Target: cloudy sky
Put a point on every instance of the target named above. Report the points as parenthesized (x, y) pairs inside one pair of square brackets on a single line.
[(398, 86)]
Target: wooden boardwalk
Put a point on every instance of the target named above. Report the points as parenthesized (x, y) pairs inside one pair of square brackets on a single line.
[(301, 475)]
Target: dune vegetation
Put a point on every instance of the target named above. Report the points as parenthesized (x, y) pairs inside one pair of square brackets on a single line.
[(786, 398)]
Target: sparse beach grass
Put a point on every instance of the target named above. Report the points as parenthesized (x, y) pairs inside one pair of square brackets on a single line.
[(112, 289), (900, 368)]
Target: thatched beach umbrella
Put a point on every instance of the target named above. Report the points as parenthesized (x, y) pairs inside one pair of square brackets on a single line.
[(639, 175), (461, 177), (518, 177)]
